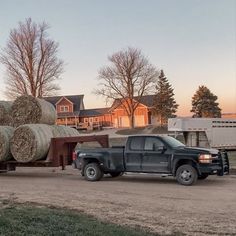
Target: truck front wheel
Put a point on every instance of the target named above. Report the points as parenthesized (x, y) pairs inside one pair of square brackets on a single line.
[(92, 172), (186, 175)]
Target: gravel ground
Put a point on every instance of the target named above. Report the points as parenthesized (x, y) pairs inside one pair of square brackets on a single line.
[(156, 203)]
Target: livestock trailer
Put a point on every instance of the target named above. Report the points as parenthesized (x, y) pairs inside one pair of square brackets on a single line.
[(206, 132)]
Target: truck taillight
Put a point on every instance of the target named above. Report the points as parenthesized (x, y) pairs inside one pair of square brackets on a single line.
[(205, 158), (73, 156)]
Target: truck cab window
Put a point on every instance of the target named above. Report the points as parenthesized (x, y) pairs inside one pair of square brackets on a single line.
[(153, 144), (136, 143)]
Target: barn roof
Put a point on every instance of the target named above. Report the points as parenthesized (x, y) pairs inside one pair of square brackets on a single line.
[(94, 112), (146, 100)]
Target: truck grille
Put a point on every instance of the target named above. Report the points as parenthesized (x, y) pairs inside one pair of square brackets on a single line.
[(217, 158), (224, 162)]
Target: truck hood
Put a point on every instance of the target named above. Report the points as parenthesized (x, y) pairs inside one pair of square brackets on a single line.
[(197, 150)]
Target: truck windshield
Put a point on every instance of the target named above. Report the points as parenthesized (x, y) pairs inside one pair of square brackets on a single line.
[(173, 142)]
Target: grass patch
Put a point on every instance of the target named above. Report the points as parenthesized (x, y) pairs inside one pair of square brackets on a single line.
[(33, 220)]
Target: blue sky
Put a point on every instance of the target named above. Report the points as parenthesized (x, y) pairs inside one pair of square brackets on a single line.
[(194, 41)]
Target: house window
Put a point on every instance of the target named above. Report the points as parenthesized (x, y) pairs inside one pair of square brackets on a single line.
[(96, 119), (86, 120), (91, 120), (64, 108)]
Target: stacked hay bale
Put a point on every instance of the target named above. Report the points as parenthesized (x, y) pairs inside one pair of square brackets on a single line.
[(34, 120), (5, 113), (6, 133), (31, 142), (63, 131), (30, 110)]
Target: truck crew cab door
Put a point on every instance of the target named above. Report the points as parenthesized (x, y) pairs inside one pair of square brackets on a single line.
[(155, 156), (134, 154)]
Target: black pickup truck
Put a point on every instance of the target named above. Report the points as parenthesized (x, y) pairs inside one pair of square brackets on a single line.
[(152, 154)]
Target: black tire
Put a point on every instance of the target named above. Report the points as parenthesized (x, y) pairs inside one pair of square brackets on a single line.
[(92, 172), (203, 176), (115, 174), (186, 175)]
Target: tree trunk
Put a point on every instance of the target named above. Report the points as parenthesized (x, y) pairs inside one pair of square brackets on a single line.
[(161, 121), (131, 121)]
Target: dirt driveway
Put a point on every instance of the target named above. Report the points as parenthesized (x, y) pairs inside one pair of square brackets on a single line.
[(160, 204)]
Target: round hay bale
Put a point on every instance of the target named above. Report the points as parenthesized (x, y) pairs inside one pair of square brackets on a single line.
[(5, 113), (30, 110), (63, 131), (6, 133), (31, 142)]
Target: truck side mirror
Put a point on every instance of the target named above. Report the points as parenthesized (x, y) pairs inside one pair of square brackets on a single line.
[(160, 149)]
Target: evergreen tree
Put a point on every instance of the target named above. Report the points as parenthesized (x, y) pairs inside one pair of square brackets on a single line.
[(204, 103), (165, 105)]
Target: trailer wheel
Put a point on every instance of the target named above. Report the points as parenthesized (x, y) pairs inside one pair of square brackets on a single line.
[(203, 176), (92, 172), (186, 175)]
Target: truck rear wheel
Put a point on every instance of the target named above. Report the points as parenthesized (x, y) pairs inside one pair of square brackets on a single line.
[(186, 175), (92, 172)]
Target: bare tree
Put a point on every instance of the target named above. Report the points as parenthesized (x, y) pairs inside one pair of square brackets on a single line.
[(30, 57), (129, 77)]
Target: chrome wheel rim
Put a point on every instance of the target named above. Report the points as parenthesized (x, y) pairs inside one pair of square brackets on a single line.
[(90, 172), (186, 175)]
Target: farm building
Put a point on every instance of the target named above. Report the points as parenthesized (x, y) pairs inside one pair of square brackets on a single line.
[(142, 116), (71, 112)]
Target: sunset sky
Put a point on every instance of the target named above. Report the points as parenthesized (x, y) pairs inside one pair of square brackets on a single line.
[(193, 41)]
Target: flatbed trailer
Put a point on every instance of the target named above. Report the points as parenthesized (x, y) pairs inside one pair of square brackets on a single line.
[(59, 154)]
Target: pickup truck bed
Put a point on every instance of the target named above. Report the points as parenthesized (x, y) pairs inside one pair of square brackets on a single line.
[(112, 158)]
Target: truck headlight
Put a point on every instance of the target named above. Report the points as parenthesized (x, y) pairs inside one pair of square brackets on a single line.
[(205, 158), (82, 154)]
